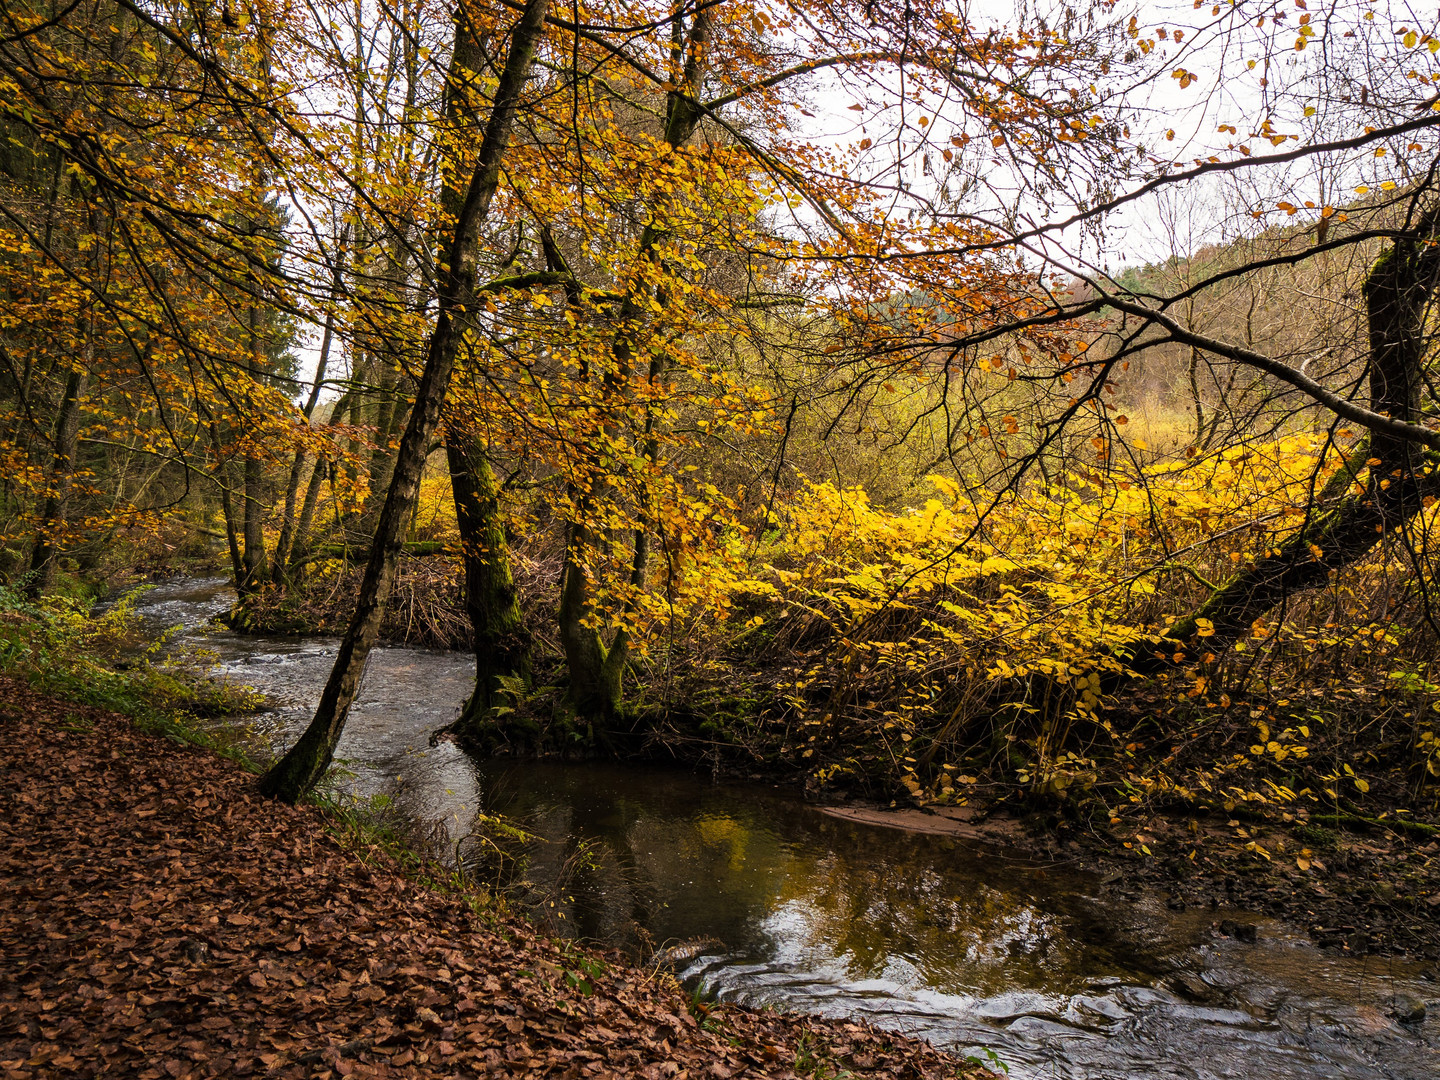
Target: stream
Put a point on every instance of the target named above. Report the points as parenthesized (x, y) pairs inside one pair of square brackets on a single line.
[(967, 945)]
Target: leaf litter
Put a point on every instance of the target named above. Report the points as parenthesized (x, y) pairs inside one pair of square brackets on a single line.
[(163, 921)]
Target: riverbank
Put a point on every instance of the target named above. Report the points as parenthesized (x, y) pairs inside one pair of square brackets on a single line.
[(164, 921), (1366, 888), (1366, 882)]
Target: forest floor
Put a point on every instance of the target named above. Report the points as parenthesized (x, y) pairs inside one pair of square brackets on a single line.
[(162, 920)]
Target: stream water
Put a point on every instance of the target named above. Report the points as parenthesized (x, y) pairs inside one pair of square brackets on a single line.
[(966, 945)]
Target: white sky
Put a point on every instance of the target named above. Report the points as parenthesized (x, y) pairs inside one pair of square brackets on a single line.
[(1218, 50)]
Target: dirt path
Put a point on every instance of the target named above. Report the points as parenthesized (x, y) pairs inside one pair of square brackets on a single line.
[(159, 920)]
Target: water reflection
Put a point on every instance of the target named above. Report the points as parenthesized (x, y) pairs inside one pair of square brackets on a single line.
[(967, 946)]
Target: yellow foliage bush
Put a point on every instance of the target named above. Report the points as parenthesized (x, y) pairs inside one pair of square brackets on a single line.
[(915, 627)]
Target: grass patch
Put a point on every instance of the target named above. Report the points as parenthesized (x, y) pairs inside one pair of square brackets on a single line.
[(60, 647)]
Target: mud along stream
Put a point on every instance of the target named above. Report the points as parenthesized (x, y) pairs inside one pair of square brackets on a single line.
[(967, 945)]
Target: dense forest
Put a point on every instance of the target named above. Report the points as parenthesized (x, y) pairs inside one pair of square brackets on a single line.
[(924, 404)]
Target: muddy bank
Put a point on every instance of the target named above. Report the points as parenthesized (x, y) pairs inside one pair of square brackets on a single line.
[(1360, 889)]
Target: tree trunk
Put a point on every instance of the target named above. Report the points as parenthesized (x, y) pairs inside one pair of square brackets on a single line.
[(1344, 528), (502, 642), (323, 468), (44, 556), (254, 565), (46, 553), (299, 546), (222, 480), (303, 766), (279, 567), (297, 467), (596, 669), (389, 412)]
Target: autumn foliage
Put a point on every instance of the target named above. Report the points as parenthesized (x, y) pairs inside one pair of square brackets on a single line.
[(886, 391)]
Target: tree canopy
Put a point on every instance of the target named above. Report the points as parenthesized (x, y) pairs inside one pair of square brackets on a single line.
[(925, 370)]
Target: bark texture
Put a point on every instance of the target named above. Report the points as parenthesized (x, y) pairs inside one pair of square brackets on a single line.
[(303, 766), (502, 641)]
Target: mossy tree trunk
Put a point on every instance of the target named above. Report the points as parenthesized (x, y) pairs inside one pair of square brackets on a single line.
[(468, 206), (596, 669), (502, 641)]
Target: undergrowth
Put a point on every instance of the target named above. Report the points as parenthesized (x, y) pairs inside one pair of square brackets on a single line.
[(933, 655), (61, 647), (425, 606)]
